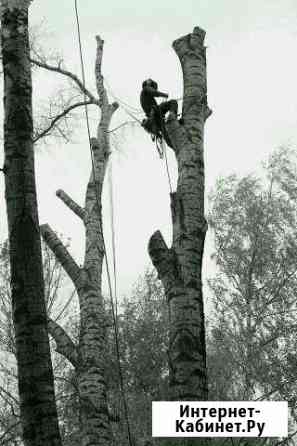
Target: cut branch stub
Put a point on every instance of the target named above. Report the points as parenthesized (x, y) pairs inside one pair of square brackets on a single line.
[(164, 260), (61, 253), (71, 204), (64, 344)]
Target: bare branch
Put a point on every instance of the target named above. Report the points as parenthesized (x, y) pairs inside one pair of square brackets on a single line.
[(70, 75), (66, 305), (61, 253), (13, 426), (70, 203), (58, 117), (122, 125), (65, 346), (9, 395)]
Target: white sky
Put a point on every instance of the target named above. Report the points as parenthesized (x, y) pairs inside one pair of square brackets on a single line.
[(252, 72)]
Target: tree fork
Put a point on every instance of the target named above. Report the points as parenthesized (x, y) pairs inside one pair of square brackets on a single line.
[(179, 267), (89, 356), (35, 374)]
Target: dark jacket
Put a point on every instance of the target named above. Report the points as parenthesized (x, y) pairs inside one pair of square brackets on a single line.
[(147, 99)]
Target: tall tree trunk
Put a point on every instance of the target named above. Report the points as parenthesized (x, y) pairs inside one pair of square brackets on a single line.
[(89, 356), (179, 267), (35, 375)]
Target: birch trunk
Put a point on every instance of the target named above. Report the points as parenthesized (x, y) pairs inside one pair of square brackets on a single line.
[(35, 375), (89, 356), (179, 267)]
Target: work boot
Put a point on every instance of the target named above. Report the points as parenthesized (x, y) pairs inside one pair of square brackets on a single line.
[(171, 116)]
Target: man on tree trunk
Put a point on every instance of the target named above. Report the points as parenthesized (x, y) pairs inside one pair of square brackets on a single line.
[(155, 114), (179, 267)]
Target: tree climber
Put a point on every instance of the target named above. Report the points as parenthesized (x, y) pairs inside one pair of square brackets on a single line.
[(155, 114)]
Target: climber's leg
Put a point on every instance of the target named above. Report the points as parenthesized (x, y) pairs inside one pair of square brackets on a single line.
[(168, 106)]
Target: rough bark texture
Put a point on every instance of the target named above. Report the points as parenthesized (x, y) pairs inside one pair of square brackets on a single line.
[(35, 375), (89, 356), (179, 267)]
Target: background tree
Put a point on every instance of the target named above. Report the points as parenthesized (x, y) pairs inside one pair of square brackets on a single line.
[(238, 217), (61, 305), (35, 376), (252, 341)]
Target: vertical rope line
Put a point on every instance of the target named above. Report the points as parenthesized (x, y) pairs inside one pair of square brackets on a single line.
[(113, 237), (167, 167)]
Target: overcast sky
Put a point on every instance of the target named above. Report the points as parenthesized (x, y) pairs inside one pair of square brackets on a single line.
[(252, 72)]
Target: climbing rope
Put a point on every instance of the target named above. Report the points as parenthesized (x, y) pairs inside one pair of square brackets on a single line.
[(161, 147), (113, 239), (167, 167), (161, 150), (104, 245), (165, 156), (132, 115)]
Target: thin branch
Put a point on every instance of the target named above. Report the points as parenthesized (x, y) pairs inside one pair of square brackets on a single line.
[(8, 430), (263, 314), (55, 287), (51, 277), (113, 416), (121, 125), (9, 395), (62, 133), (65, 306), (68, 381), (61, 253), (65, 346), (67, 73), (57, 118), (71, 204), (162, 258)]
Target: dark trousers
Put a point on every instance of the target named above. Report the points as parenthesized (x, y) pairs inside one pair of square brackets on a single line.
[(167, 106), (158, 113)]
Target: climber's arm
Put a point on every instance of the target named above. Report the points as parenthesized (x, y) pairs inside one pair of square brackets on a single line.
[(155, 93)]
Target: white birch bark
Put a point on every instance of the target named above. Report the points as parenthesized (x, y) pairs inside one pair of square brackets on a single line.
[(179, 267), (35, 374), (89, 356)]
